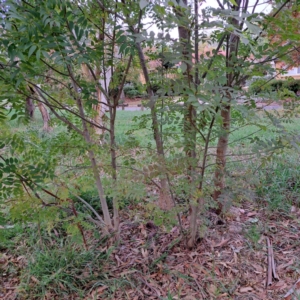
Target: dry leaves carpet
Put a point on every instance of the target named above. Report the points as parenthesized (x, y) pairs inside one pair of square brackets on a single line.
[(231, 262)]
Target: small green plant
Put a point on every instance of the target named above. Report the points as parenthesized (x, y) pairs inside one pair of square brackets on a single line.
[(253, 234)]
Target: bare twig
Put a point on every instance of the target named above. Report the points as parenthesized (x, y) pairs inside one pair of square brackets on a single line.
[(275, 276), (271, 264), (269, 277), (89, 206), (293, 291)]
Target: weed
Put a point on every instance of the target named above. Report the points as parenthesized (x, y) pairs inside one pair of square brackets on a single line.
[(253, 234)]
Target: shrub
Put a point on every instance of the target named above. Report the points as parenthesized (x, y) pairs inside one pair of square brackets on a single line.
[(132, 93), (285, 93), (276, 84), (259, 85), (134, 90), (156, 86), (292, 85), (162, 88)]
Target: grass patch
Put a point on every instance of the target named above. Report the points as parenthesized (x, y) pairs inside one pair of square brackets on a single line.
[(280, 183), (125, 123), (47, 265), (61, 271)]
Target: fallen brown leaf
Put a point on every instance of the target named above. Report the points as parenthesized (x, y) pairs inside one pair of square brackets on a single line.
[(246, 289), (294, 292)]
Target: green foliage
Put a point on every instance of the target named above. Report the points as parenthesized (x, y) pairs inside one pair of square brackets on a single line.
[(8, 235), (276, 84), (134, 90), (254, 234), (285, 93), (279, 184), (63, 270), (288, 87), (46, 44), (131, 92), (292, 85), (161, 218), (162, 86), (259, 85)]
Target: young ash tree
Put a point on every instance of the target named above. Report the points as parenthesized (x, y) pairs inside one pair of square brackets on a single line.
[(64, 55), (74, 57)]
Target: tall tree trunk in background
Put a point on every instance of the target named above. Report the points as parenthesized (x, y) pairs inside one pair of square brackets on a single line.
[(221, 155), (99, 108), (100, 111), (165, 200), (103, 102), (122, 96), (29, 108), (45, 116), (29, 104), (231, 53), (104, 82), (43, 110)]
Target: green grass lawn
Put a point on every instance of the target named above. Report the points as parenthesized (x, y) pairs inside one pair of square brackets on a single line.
[(125, 123), (240, 138)]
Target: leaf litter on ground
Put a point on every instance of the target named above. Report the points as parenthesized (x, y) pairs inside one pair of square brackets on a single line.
[(230, 262)]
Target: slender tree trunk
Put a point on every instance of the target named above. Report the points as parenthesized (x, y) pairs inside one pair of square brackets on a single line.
[(29, 108), (92, 157), (87, 137), (45, 116), (100, 112), (43, 110), (231, 53), (102, 101), (221, 156), (114, 163), (190, 116), (99, 107), (196, 204), (113, 113), (165, 200)]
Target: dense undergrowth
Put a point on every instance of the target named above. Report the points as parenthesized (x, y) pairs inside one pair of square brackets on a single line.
[(66, 257)]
